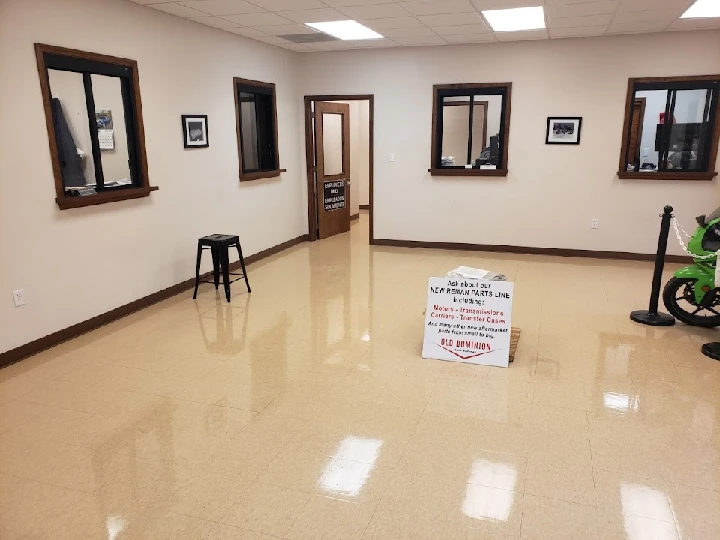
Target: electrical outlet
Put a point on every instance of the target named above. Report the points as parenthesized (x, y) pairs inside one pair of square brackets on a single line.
[(595, 223), (392, 158), (19, 297)]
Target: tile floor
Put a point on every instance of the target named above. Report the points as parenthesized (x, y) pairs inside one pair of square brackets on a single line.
[(305, 412)]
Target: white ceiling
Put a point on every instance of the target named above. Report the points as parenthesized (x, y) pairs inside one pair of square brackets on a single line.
[(429, 22)]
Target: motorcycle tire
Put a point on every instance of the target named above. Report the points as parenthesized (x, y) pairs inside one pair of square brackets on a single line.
[(672, 290)]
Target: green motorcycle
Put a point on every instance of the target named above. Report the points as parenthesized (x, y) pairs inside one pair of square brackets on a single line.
[(691, 295)]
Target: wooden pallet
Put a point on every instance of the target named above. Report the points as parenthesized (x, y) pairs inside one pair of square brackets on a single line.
[(514, 338)]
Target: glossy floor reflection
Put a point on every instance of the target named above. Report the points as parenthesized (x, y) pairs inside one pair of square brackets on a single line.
[(304, 411)]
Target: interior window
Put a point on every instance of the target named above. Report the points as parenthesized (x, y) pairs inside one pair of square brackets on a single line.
[(94, 123), (671, 128), (257, 129), (470, 126)]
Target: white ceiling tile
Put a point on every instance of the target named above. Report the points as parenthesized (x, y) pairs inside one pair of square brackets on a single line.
[(380, 11), (345, 3), (522, 35), (338, 45), (247, 32), (147, 2), (314, 15), (373, 43), (580, 10), (566, 2), (461, 29), (556, 33), (645, 16), (636, 27), (215, 22), (643, 5), (469, 38), (297, 47), (436, 7), (450, 19), (395, 22), (285, 29), (177, 9), (407, 32), (258, 19), (483, 5), (577, 22), (283, 5), (420, 41), (695, 24), (222, 7)]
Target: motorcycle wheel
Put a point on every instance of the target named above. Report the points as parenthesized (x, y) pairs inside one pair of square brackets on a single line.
[(679, 299)]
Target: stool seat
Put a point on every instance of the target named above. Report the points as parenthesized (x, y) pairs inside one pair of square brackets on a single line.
[(219, 246)]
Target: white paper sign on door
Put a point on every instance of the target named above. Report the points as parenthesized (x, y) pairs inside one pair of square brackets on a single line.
[(468, 320)]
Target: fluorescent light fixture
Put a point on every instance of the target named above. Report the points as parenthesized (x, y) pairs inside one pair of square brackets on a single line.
[(512, 20), (345, 30), (702, 9)]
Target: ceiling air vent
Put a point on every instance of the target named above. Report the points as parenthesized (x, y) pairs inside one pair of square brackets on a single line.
[(308, 38)]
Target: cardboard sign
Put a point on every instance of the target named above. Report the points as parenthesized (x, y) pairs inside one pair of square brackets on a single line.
[(334, 195), (468, 320)]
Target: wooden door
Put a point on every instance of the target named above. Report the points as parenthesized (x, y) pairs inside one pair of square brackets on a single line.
[(636, 131), (332, 156)]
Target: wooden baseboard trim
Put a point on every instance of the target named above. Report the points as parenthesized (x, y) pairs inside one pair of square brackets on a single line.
[(355, 216), (364, 207), (523, 250), (39, 345)]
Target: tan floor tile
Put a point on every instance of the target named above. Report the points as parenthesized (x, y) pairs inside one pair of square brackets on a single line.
[(267, 509), (324, 518), (570, 482), (545, 518), (316, 384)]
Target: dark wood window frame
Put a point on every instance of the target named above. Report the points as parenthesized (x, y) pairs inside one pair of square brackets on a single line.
[(469, 89), (245, 177), (647, 83), (142, 187)]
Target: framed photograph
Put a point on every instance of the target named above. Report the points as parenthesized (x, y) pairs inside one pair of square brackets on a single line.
[(195, 130), (563, 130)]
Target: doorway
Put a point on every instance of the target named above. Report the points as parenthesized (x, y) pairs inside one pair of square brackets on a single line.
[(332, 177)]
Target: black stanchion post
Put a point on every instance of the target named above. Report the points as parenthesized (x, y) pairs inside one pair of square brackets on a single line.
[(651, 316)]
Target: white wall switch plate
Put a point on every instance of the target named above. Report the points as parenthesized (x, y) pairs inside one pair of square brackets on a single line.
[(19, 297), (392, 157), (595, 224)]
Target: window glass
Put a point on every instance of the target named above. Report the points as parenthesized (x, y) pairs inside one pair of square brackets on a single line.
[(470, 125), (332, 151), (72, 128), (670, 128), (112, 131), (256, 121)]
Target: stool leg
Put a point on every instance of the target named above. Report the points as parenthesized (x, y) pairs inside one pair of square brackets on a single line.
[(242, 264), (216, 266), (225, 263), (197, 270)]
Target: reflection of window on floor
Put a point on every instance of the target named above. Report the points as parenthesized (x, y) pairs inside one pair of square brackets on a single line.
[(644, 502), (490, 491), (621, 402), (350, 467)]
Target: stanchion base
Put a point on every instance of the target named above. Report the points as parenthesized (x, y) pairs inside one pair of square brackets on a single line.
[(712, 350), (652, 319)]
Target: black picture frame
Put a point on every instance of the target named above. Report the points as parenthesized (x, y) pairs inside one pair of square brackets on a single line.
[(190, 139), (553, 136)]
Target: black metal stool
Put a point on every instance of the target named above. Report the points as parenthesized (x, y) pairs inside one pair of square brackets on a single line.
[(219, 246)]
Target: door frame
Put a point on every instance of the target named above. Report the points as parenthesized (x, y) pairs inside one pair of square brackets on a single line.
[(310, 156)]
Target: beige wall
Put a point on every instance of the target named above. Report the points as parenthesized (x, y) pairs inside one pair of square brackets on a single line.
[(552, 192), (363, 164), (76, 264)]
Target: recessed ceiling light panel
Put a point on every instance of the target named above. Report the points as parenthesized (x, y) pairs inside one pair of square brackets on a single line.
[(703, 9), (513, 20), (345, 30)]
